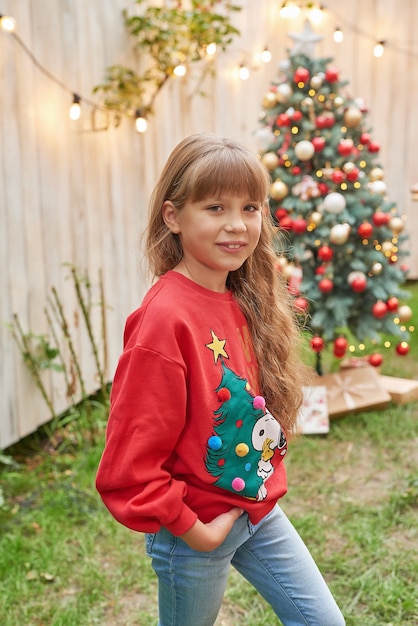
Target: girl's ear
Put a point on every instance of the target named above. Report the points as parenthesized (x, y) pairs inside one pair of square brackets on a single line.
[(169, 213)]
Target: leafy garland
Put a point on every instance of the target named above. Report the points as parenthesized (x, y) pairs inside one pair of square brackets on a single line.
[(169, 36)]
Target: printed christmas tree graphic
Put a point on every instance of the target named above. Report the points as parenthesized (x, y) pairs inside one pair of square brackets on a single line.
[(245, 437)]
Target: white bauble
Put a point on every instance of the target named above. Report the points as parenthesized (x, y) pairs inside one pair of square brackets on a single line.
[(264, 138), (304, 150), (334, 202), (340, 233), (283, 92), (378, 186), (356, 274)]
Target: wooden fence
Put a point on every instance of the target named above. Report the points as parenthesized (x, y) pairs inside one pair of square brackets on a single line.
[(72, 196)]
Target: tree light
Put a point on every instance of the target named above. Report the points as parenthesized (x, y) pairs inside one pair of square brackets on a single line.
[(379, 49), (140, 122), (75, 110), (7, 23), (338, 35)]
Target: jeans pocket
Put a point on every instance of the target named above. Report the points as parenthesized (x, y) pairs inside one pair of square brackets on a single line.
[(149, 542)]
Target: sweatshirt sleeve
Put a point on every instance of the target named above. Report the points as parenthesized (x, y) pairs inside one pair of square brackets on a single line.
[(147, 416)]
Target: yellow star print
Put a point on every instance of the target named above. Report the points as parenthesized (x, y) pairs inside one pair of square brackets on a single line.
[(217, 346)]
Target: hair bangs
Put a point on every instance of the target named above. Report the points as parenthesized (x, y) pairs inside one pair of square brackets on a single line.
[(227, 172)]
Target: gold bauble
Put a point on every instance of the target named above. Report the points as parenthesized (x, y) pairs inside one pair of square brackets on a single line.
[(396, 225), (377, 268), (338, 102), (352, 117), (387, 247), (283, 93), (376, 173), (270, 160), (404, 313), (316, 82), (279, 190), (269, 100), (315, 218)]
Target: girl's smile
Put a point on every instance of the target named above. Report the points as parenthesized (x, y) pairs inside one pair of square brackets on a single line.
[(217, 236)]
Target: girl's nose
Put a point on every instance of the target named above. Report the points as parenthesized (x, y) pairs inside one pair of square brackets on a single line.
[(235, 223)]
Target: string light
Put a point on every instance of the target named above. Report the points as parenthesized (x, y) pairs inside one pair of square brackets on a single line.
[(211, 49), (140, 122), (316, 14), (338, 35), (266, 55), (180, 70), (289, 9), (243, 72), (75, 110), (7, 23), (379, 49)]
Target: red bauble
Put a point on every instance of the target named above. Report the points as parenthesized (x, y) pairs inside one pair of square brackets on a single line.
[(326, 285), (321, 122), (402, 348), (379, 218), (296, 170), (280, 213), (365, 138), (301, 75), (392, 304), (283, 120), (301, 304), (320, 270), (379, 309), (345, 147), (323, 188), (286, 223), (359, 284), (331, 75), (317, 344), (365, 230), (340, 347), (318, 143), (299, 225), (373, 146), (375, 359), (325, 253), (337, 177), (353, 175), (297, 116)]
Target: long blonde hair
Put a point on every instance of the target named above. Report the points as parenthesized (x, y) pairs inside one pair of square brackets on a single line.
[(203, 165)]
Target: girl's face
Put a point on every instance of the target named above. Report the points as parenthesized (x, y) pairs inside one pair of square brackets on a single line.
[(217, 235)]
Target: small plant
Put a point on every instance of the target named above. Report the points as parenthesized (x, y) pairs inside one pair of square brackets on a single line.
[(169, 36), (57, 351)]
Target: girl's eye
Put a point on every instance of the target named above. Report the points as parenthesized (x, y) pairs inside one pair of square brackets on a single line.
[(215, 208), (251, 208)]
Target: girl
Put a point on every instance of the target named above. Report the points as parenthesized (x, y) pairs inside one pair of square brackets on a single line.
[(207, 386)]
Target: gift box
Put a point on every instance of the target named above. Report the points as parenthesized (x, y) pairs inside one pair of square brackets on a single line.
[(313, 416), (401, 390), (353, 390)]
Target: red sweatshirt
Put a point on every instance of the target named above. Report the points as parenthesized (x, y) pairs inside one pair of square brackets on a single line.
[(188, 435)]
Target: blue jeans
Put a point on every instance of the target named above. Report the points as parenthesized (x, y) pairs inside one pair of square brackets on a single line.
[(270, 555)]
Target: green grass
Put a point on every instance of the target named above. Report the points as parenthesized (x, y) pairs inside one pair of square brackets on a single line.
[(353, 496)]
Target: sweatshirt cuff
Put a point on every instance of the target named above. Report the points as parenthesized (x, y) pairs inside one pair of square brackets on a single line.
[(182, 523)]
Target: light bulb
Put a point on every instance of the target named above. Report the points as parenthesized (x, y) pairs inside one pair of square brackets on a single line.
[(338, 35), (316, 15), (266, 55), (289, 9), (211, 49), (75, 110), (7, 23), (180, 70), (379, 49), (140, 122), (243, 72)]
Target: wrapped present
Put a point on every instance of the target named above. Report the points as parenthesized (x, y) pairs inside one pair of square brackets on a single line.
[(313, 416), (401, 390), (353, 390)]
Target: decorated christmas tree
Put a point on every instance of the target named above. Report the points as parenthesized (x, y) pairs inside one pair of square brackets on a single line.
[(343, 247)]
